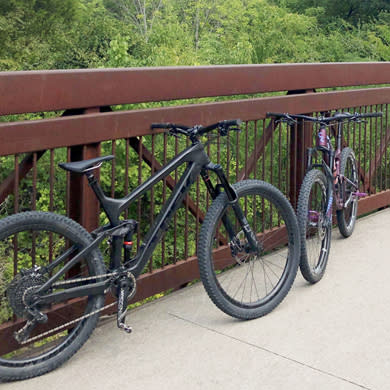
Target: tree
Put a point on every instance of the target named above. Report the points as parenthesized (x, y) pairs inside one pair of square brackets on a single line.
[(352, 11), (27, 29), (142, 13)]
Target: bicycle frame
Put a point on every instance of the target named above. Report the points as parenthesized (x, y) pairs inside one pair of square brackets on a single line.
[(332, 170), (198, 162)]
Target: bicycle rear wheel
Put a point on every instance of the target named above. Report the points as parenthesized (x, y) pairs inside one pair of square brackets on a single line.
[(242, 284), (28, 241), (346, 218), (314, 228)]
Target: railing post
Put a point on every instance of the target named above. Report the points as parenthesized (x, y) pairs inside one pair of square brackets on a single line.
[(83, 206), (301, 139)]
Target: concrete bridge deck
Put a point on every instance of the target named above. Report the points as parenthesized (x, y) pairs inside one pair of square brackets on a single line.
[(333, 335)]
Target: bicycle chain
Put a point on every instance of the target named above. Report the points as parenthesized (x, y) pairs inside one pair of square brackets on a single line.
[(39, 336)]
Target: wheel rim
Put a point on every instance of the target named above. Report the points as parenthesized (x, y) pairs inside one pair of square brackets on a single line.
[(251, 280), (317, 231), (24, 250)]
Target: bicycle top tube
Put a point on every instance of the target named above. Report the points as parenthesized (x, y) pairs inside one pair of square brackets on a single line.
[(338, 117)]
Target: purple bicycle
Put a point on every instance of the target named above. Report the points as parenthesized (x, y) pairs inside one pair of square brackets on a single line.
[(336, 181)]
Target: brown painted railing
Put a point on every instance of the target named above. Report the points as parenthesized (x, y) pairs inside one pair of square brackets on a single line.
[(81, 115)]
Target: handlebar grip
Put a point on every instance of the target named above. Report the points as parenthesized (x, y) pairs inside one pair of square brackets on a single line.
[(275, 114), (232, 122), (160, 126), (371, 115), (222, 124)]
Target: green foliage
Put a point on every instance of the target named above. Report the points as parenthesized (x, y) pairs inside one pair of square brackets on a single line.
[(278, 36), (63, 34), (28, 30), (142, 15), (352, 11)]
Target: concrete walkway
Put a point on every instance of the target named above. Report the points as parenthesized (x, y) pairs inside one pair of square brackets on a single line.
[(333, 335)]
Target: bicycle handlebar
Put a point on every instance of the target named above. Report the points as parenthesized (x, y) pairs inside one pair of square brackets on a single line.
[(167, 126), (198, 130), (337, 117), (222, 125)]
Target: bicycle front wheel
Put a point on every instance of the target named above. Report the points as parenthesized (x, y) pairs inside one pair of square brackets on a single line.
[(242, 284), (29, 243), (315, 229)]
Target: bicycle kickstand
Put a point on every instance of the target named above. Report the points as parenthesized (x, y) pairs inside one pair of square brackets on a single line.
[(124, 291)]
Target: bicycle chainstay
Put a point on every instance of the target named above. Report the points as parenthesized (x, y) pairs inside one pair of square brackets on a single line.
[(39, 336)]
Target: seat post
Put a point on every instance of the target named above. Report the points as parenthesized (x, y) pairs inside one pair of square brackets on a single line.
[(109, 205), (84, 207), (97, 189)]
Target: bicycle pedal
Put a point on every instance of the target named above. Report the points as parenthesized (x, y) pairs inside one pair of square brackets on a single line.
[(128, 329), (359, 194)]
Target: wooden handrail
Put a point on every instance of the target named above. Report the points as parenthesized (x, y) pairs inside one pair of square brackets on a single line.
[(36, 91)]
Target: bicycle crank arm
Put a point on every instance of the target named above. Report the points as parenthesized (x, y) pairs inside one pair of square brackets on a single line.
[(122, 309), (127, 289)]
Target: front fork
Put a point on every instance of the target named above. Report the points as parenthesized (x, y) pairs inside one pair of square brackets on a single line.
[(253, 245), (330, 179)]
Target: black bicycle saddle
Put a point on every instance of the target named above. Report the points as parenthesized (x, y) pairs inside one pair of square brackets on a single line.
[(85, 165)]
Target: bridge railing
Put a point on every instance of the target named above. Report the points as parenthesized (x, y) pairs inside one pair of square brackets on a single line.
[(81, 114)]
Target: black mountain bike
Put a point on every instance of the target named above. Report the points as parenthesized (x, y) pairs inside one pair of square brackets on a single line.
[(248, 254), (336, 181)]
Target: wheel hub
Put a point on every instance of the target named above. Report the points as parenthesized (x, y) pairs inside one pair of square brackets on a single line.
[(239, 245)]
